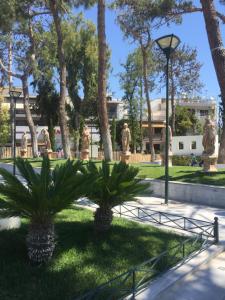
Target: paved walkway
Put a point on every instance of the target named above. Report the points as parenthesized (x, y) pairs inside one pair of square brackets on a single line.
[(208, 281)]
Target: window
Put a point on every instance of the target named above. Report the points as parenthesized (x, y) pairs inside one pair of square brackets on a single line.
[(193, 145), (204, 113), (157, 130), (181, 146)]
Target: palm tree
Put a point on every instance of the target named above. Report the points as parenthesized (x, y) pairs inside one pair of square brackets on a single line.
[(40, 199), (111, 187)]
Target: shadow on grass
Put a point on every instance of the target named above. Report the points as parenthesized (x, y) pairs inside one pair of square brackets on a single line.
[(214, 178), (82, 260)]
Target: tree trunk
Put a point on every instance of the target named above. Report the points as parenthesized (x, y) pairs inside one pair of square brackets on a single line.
[(141, 114), (51, 132), (218, 57), (173, 106), (62, 65), (102, 219), (146, 89), (40, 242), (10, 86), (29, 118), (102, 105)]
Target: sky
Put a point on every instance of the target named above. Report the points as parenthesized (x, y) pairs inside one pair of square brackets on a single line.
[(191, 32)]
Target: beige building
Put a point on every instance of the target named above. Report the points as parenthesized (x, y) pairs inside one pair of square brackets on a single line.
[(201, 108)]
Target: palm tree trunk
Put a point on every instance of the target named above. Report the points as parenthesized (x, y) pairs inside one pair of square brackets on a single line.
[(218, 57), (29, 118), (102, 105), (102, 219), (40, 242), (62, 65), (146, 89)]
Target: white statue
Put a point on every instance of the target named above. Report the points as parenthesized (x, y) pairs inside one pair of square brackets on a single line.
[(46, 139), (24, 140), (85, 138), (126, 138), (209, 137)]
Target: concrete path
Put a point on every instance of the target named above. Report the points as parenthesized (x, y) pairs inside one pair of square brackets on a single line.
[(207, 282)]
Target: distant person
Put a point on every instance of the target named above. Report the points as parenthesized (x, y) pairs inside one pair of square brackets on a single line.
[(193, 160)]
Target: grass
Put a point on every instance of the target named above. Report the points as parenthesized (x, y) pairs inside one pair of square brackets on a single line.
[(177, 173), (184, 174), (82, 259)]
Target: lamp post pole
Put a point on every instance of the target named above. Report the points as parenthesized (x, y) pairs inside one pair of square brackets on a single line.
[(167, 133), (167, 44)]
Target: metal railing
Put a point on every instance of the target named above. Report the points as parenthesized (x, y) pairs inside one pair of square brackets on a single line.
[(129, 283), (208, 230)]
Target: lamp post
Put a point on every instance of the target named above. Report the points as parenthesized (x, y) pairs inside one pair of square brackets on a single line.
[(167, 44), (14, 94)]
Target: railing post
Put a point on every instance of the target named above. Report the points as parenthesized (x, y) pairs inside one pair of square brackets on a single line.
[(183, 250), (184, 223), (159, 218), (120, 210), (133, 284), (216, 230), (138, 213)]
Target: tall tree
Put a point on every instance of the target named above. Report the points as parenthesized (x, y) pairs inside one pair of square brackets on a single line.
[(218, 57), (212, 18), (18, 31), (184, 75), (130, 83), (135, 25), (186, 122), (102, 67), (46, 105), (56, 8), (81, 52)]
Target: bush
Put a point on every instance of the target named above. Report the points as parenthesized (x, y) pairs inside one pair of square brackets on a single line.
[(183, 160)]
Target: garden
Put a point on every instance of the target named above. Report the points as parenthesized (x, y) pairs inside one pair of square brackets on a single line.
[(62, 250)]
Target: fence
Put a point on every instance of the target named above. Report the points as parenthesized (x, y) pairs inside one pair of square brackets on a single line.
[(128, 284), (134, 158), (6, 152)]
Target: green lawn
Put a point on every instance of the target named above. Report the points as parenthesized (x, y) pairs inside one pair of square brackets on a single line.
[(177, 173), (82, 259), (184, 174)]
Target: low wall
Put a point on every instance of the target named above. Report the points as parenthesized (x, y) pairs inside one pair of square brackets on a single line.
[(10, 223), (190, 192)]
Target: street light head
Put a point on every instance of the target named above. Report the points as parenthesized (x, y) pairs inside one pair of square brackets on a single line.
[(14, 93), (168, 43)]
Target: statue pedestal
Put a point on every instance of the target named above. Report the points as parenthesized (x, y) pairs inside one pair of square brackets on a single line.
[(209, 163), (48, 153), (125, 156), (23, 153), (170, 164), (85, 154)]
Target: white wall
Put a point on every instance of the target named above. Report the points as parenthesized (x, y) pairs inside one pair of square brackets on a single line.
[(187, 142)]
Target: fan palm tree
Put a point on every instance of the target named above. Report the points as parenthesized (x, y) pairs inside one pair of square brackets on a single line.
[(111, 187), (40, 199)]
